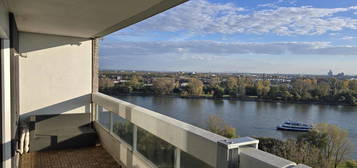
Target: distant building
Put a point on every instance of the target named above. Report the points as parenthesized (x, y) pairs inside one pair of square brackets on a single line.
[(340, 75), (330, 73), (184, 84)]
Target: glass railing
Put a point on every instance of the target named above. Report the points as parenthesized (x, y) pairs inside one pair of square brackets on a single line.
[(164, 142), (159, 152), (123, 129), (150, 140)]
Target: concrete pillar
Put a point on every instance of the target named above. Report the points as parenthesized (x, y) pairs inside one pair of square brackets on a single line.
[(6, 103)]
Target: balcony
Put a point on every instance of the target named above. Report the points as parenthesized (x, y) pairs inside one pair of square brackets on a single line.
[(49, 77), (132, 136)]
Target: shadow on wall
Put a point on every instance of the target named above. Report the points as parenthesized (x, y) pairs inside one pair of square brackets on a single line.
[(50, 129), (43, 41), (62, 107), (54, 132)]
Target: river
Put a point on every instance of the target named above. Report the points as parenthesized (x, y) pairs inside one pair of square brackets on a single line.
[(251, 118)]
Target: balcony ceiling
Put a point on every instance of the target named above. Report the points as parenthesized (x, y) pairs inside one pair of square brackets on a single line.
[(83, 18)]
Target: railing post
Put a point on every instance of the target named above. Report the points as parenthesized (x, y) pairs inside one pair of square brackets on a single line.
[(94, 112), (177, 162), (111, 122), (135, 137), (96, 106), (100, 111), (228, 151)]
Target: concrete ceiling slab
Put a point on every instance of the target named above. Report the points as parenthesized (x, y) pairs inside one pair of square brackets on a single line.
[(84, 18)]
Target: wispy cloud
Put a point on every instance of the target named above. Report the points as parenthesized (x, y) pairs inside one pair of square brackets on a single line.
[(207, 36), (206, 56), (226, 48), (201, 16), (348, 38), (278, 3)]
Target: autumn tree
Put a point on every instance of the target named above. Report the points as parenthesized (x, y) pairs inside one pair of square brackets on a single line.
[(214, 87), (338, 145), (106, 83), (218, 92), (349, 164), (334, 86), (353, 85), (135, 81), (263, 88), (218, 126), (195, 87), (163, 86), (232, 82), (302, 87), (214, 82), (323, 89), (242, 84), (299, 152)]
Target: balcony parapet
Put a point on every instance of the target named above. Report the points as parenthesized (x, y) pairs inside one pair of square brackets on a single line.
[(212, 149)]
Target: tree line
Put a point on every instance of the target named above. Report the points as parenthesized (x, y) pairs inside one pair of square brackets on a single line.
[(305, 90), (325, 146)]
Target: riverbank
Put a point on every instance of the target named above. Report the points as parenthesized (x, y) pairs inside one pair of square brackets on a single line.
[(256, 99), (247, 98)]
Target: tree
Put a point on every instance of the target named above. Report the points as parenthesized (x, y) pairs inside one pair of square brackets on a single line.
[(260, 88), (135, 82), (325, 146), (299, 152), (353, 85), (349, 164), (218, 92), (123, 89), (232, 82), (232, 86), (106, 83), (274, 92), (344, 85), (243, 83), (338, 145), (285, 92), (194, 87), (218, 126), (323, 89), (286, 95), (334, 86), (347, 97), (214, 82), (301, 87), (163, 86), (263, 88), (314, 138)]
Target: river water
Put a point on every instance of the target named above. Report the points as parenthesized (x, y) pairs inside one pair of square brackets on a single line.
[(251, 118)]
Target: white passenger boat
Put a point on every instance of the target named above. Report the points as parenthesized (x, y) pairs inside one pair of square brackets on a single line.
[(294, 126)]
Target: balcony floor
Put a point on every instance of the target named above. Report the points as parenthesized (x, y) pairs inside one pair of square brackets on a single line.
[(90, 157)]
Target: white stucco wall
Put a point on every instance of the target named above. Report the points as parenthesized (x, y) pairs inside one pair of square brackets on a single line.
[(5, 70), (5, 86), (55, 74), (4, 21)]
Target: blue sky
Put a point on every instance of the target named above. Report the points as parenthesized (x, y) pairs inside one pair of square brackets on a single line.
[(264, 36)]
